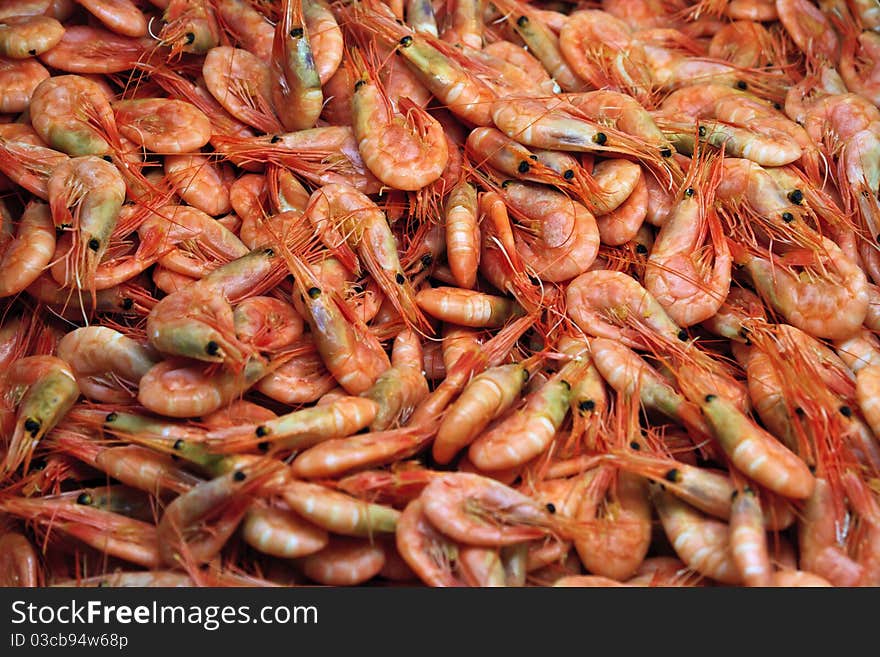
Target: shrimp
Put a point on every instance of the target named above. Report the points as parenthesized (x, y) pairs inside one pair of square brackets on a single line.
[(162, 125), (85, 49), (432, 555), (28, 36), (612, 305), (462, 234), (18, 80), (37, 391), (195, 526), (25, 250), (467, 307), (107, 364), (268, 323), (623, 223), (689, 278), (18, 561), (296, 89), (325, 36), (300, 380), (809, 28), (559, 238), (336, 512), (121, 16), (756, 452), (242, 84), (398, 390), (700, 542), (748, 541), (249, 27), (281, 533), (181, 389), (344, 562), (198, 183), (190, 27), (480, 511), (341, 207)]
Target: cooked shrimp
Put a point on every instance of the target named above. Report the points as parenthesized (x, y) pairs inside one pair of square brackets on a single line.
[(748, 540), (163, 125), (296, 89), (27, 250), (337, 512), (462, 234), (432, 555), (18, 79), (281, 533), (344, 562), (242, 84), (28, 36), (122, 16)]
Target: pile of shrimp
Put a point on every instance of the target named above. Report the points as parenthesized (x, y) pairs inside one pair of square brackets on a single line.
[(439, 293)]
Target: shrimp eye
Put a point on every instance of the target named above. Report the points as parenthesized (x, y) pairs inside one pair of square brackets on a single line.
[(672, 476), (127, 303), (357, 289), (551, 508), (32, 426), (178, 444), (190, 37), (533, 157), (406, 42), (314, 293), (32, 53), (787, 217), (845, 411), (568, 174), (427, 259), (359, 84), (522, 21), (94, 244), (565, 384), (399, 278), (800, 412), (734, 495), (634, 445), (524, 167), (296, 33), (586, 406), (107, 158), (682, 335), (84, 499), (741, 85), (111, 417), (666, 152), (600, 138), (261, 431), (711, 398), (796, 196), (212, 348), (641, 249), (275, 139), (239, 475), (506, 184), (777, 106), (269, 252), (702, 131), (689, 192), (263, 446)]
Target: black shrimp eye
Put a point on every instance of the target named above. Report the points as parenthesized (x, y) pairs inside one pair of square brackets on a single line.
[(239, 475), (551, 508), (399, 278), (533, 157), (586, 406), (800, 412), (84, 499), (358, 289), (787, 217), (702, 131), (296, 33), (359, 84), (666, 152), (269, 252), (672, 476), (94, 244), (796, 196), (777, 106), (107, 158), (741, 85), (212, 348), (522, 21), (600, 138), (568, 174), (845, 411), (634, 445), (406, 42), (524, 167), (427, 259), (178, 444), (641, 249), (111, 417), (314, 293), (711, 398), (682, 335), (506, 184), (261, 431), (690, 191), (734, 495), (32, 426), (275, 139), (127, 303), (190, 37), (32, 52)]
